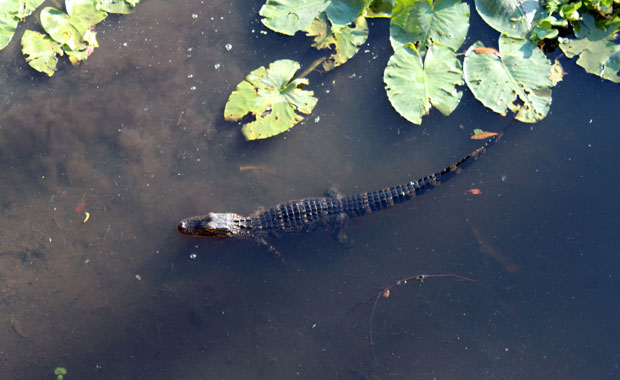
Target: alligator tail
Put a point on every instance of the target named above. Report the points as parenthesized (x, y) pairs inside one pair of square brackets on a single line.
[(368, 202)]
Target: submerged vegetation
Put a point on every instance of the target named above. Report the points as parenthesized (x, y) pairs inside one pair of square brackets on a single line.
[(71, 32), (425, 70)]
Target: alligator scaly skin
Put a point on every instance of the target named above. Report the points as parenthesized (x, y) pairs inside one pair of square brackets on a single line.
[(311, 213)]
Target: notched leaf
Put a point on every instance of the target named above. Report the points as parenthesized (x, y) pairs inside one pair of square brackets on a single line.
[(274, 97), (345, 42), (518, 78), (599, 54)]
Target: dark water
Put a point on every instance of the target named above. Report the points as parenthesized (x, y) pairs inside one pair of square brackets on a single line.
[(137, 134)]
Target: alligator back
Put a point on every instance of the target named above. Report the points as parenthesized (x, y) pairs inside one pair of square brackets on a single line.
[(310, 213)]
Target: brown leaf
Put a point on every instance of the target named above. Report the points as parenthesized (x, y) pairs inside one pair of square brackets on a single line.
[(487, 50), (483, 135)]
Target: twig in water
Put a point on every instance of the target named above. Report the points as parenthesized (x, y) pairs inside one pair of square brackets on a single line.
[(385, 293)]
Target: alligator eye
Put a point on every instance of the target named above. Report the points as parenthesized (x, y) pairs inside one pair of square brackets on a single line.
[(182, 226)]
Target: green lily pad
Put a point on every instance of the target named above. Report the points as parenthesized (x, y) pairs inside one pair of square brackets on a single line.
[(40, 51), (58, 25), (345, 41), (412, 86), (8, 23), (290, 16), (274, 97), (75, 56), (519, 69), (343, 12), (84, 14), (380, 9), (11, 12), (512, 17), (426, 22), (598, 52), (118, 6), (26, 7), (69, 29)]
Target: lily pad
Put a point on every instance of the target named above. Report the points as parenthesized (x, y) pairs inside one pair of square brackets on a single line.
[(69, 29), (290, 16), (343, 12), (84, 14), (512, 17), (412, 86), (345, 41), (11, 12), (426, 22), (598, 52), (520, 70), (40, 51), (25, 7), (380, 9), (274, 97), (118, 6)]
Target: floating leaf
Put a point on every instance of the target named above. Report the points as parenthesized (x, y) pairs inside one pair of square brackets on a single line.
[(557, 72), (343, 12), (118, 6), (84, 14), (58, 25), (412, 86), (40, 51), (479, 134), (291, 16), (11, 12), (474, 191), (546, 28), (380, 8), (512, 17), (522, 71), (598, 53), (72, 30), (274, 97), (345, 41), (25, 7), (486, 50), (426, 22), (8, 23)]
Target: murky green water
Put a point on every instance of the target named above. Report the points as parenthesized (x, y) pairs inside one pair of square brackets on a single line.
[(137, 135)]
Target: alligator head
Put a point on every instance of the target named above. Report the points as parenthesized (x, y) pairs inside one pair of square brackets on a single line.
[(215, 225)]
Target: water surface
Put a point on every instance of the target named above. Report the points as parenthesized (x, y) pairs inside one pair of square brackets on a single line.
[(136, 133)]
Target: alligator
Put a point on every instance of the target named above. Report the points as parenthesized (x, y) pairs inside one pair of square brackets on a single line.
[(311, 213)]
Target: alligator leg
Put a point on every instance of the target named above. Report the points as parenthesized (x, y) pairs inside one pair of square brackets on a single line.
[(261, 241), (333, 192), (339, 225)]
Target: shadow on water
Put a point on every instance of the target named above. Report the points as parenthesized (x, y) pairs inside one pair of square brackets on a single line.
[(136, 138)]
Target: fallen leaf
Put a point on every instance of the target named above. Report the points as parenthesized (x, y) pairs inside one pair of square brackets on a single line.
[(386, 293), (79, 207), (487, 50), (474, 191), (481, 135)]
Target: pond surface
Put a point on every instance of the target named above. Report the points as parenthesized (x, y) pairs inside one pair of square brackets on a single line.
[(136, 138)]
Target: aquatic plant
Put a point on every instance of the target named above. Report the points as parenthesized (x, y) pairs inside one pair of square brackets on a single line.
[(71, 32), (60, 373), (425, 71)]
